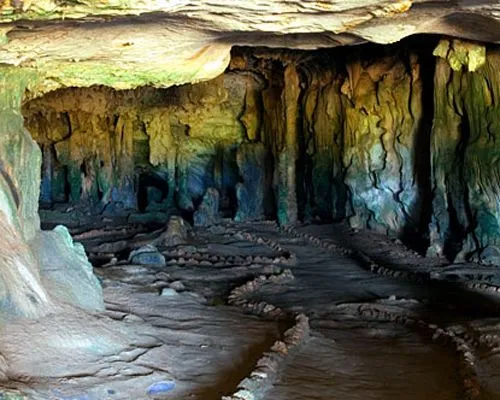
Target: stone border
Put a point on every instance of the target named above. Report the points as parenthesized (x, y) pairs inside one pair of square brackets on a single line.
[(261, 379), (237, 297), (441, 336), (199, 258), (468, 374), (481, 287), (365, 261)]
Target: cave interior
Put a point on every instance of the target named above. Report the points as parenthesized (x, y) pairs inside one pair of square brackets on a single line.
[(351, 121), (249, 214)]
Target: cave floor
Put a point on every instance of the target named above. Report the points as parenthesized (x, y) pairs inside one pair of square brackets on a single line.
[(169, 333)]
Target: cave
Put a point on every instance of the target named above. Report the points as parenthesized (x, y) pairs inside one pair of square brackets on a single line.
[(274, 200)]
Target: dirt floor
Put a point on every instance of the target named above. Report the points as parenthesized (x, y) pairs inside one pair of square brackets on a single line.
[(215, 316)]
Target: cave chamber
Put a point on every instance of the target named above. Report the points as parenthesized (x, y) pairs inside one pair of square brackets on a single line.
[(281, 200)]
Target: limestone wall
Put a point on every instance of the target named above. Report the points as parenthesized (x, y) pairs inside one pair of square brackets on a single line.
[(466, 155), (380, 136), (105, 146), (283, 134)]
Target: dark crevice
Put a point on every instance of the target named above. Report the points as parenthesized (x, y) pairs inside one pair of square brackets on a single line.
[(417, 236), (455, 235), (457, 231), (461, 154)]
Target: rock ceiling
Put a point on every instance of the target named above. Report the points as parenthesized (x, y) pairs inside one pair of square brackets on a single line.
[(127, 43)]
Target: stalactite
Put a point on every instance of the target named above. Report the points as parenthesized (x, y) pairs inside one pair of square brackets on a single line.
[(162, 147)]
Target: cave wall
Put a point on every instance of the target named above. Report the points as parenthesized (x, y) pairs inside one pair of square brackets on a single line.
[(382, 113), (149, 149), (28, 286), (102, 147), (382, 136), (282, 134), (465, 153), (21, 289), (363, 138), (322, 187)]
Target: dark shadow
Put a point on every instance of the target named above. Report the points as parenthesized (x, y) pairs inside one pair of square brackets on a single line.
[(303, 165), (455, 234), (270, 200), (67, 187), (416, 231), (147, 181), (458, 197)]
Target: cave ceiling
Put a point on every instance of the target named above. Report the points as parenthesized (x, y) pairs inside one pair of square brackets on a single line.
[(125, 44)]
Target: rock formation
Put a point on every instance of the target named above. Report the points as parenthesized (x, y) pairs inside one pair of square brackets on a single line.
[(465, 155)]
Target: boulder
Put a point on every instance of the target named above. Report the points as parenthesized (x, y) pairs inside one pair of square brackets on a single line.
[(147, 255), (65, 270)]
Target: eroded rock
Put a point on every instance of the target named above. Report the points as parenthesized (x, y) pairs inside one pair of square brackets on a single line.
[(466, 211), (147, 255), (177, 232), (66, 270), (208, 212)]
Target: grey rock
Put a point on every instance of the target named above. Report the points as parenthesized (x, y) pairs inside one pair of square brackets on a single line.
[(147, 255), (177, 232), (65, 267), (177, 286), (169, 292)]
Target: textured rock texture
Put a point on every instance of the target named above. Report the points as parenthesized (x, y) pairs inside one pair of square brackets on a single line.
[(150, 149), (125, 44), (382, 112), (208, 211), (465, 154), (291, 135), (253, 162), (21, 289), (26, 289), (66, 271)]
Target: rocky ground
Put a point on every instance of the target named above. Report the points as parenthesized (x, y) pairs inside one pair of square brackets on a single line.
[(256, 311)]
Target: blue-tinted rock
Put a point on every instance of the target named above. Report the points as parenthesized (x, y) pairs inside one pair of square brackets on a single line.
[(161, 387), (147, 255), (251, 158), (208, 211), (169, 292)]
